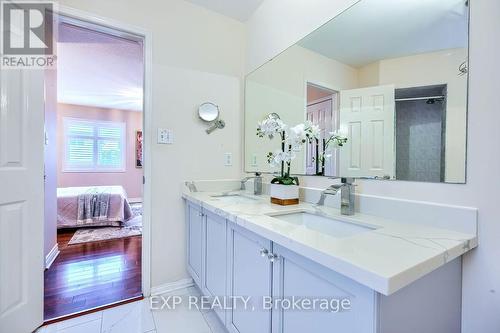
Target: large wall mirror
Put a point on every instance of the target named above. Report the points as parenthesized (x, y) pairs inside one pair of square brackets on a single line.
[(391, 76)]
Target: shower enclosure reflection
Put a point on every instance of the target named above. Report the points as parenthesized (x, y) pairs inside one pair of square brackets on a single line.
[(421, 133)]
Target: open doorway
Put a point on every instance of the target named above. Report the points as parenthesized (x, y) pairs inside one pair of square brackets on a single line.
[(93, 169), (322, 110)]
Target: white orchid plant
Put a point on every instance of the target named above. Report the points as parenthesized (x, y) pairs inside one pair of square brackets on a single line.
[(292, 141)]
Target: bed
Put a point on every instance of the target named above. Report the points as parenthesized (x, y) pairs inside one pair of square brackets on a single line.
[(117, 211)]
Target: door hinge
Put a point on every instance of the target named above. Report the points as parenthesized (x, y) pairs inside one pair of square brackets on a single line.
[(143, 180)]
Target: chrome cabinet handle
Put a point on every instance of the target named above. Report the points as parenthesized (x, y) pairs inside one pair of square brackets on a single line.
[(200, 214), (272, 257), (264, 252)]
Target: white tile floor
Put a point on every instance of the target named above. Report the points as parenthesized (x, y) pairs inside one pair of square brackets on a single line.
[(138, 318)]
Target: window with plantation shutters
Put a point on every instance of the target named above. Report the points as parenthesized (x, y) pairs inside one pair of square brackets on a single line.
[(94, 146)]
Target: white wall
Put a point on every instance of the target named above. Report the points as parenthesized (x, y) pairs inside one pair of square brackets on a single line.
[(269, 32), (197, 57)]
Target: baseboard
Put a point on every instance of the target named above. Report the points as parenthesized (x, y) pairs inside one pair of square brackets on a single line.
[(51, 256), (134, 200), (171, 286)]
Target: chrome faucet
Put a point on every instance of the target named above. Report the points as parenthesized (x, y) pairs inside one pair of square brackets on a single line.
[(257, 183), (346, 195), (191, 186)]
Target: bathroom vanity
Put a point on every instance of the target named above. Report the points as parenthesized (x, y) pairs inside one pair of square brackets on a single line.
[(397, 276)]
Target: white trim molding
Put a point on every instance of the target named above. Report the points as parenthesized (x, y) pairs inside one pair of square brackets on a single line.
[(171, 286), (135, 200), (51, 256)]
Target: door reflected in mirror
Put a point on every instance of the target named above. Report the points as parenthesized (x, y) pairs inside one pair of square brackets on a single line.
[(322, 111), (394, 84)]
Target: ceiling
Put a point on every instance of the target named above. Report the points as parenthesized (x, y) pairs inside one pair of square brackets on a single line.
[(240, 10), (97, 69), (373, 30)]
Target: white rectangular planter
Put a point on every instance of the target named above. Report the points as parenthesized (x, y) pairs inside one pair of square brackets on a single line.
[(284, 194)]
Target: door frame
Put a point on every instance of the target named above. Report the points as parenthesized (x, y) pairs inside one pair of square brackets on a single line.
[(335, 109), (331, 98), (147, 38)]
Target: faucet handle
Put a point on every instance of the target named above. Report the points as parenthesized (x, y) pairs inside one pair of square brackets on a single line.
[(347, 180), (258, 174)]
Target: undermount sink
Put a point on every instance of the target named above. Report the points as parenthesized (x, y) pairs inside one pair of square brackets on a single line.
[(323, 224), (226, 195), (236, 197)]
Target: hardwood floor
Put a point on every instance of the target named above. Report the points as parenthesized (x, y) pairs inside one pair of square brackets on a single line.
[(94, 274)]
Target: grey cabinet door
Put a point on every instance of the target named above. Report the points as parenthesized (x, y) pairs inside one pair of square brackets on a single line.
[(194, 221), (249, 275), (215, 260), (296, 276)]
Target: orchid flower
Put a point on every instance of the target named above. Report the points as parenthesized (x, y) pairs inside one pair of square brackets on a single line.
[(270, 127), (336, 139), (292, 141), (312, 131)]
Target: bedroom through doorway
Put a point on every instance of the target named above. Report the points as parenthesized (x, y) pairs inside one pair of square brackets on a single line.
[(94, 116)]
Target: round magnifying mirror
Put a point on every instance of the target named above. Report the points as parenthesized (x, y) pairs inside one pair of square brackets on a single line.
[(208, 111)]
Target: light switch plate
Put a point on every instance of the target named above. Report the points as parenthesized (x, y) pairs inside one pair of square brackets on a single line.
[(228, 159), (165, 136), (254, 160)]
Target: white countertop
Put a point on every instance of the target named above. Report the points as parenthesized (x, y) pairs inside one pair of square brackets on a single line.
[(385, 259)]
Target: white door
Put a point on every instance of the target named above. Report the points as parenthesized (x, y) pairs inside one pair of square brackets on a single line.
[(367, 117), (321, 114), (21, 200)]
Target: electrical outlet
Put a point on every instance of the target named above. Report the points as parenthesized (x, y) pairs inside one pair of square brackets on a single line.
[(228, 159), (254, 160), (165, 136)]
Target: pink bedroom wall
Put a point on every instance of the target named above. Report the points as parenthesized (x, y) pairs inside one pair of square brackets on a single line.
[(131, 179)]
